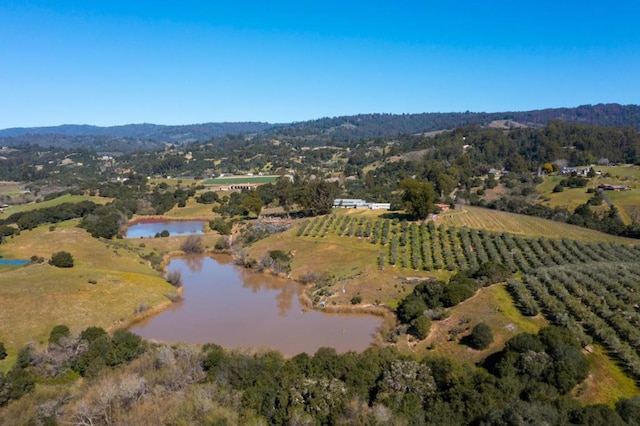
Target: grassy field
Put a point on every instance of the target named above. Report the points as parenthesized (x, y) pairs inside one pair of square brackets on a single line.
[(351, 262), (624, 171), (606, 382), (627, 202), (192, 210), (227, 180), (569, 198), (493, 220), (11, 189), (492, 305), (35, 298), (51, 203)]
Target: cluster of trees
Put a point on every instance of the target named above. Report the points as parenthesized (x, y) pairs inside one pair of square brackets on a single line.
[(528, 382), (131, 196), (88, 354), (61, 212), (312, 197)]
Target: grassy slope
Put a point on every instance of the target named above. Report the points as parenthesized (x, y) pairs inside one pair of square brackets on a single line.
[(497, 221), (569, 198), (628, 202), (37, 297), (50, 203), (353, 262), (492, 305)]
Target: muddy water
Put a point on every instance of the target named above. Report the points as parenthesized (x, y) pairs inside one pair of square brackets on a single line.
[(234, 307), (151, 227)]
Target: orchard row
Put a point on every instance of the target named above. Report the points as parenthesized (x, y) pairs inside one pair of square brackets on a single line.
[(426, 246)]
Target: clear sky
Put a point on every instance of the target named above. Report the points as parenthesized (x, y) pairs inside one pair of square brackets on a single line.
[(110, 62)]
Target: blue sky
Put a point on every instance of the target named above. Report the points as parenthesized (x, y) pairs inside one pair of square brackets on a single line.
[(168, 62)]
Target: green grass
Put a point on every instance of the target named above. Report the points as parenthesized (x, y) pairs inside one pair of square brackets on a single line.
[(569, 198), (226, 180), (625, 171), (627, 202), (51, 203), (606, 382)]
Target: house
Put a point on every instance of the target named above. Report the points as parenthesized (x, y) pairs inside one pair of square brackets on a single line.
[(609, 187), (357, 203), (380, 206), (350, 203), (443, 207)]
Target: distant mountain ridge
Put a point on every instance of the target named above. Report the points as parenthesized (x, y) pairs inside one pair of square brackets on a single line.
[(156, 132), (131, 137)]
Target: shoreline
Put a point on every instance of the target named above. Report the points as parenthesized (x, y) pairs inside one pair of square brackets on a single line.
[(385, 313)]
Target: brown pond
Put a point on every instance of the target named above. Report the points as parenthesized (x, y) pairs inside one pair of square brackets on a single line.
[(234, 307)]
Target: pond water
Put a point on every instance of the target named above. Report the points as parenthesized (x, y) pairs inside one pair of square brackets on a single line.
[(13, 262), (151, 227), (235, 307)]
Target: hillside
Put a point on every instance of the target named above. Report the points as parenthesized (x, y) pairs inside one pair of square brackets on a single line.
[(135, 137)]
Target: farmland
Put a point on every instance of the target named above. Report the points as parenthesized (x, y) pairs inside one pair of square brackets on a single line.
[(428, 246), (229, 180), (597, 301)]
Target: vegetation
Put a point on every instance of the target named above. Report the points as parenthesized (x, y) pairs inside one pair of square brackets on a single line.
[(61, 259), (481, 336), (443, 277), (192, 245), (529, 379)]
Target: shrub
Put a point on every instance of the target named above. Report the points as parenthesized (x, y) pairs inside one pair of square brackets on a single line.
[(175, 278), (558, 188), (91, 334), (193, 245), (481, 336), (58, 332), (3, 351), (62, 259), (221, 243), (221, 226), (356, 299), (421, 327)]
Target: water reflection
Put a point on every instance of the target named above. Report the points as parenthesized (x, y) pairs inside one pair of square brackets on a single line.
[(151, 227), (235, 307), (194, 263)]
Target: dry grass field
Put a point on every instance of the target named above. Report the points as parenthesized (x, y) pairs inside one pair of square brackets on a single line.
[(36, 297), (492, 305), (497, 221)]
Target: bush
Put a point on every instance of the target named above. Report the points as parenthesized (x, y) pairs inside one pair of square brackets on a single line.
[(3, 351), (421, 327), (356, 299), (481, 336), (175, 278), (92, 334), (193, 245), (221, 226), (221, 244), (58, 332), (558, 188), (62, 259)]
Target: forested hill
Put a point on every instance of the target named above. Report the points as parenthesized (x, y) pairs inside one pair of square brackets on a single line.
[(153, 132), (127, 138), (381, 125), (135, 137)]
